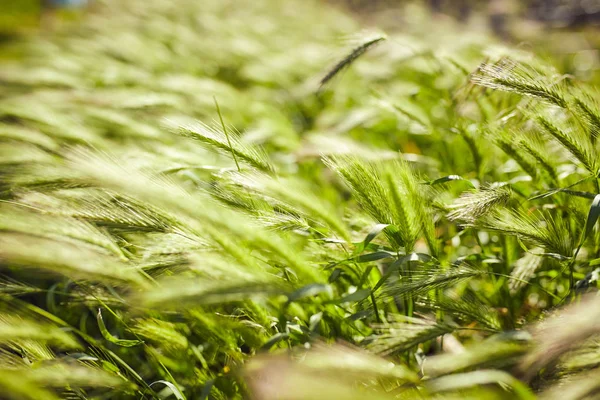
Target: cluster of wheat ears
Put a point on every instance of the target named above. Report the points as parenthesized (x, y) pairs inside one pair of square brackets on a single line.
[(421, 223)]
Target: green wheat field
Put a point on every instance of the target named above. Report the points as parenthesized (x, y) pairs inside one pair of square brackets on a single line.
[(271, 199)]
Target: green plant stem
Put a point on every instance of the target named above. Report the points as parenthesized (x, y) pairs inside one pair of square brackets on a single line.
[(226, 134), (572, 269), (375, 308), (410, 300)]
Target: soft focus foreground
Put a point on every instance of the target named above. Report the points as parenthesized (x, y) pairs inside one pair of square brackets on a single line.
[(193, 206)]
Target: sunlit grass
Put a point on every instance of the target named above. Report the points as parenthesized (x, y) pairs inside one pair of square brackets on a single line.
[(193, 206)]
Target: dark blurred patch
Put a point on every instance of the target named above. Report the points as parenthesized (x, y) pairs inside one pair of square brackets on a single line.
[(554, 13), (566, 13), (18, 16)]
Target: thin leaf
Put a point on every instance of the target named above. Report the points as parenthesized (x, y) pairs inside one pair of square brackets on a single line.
[(377, 229), (592, 217), (308, 291), (482, 377), (449, 178), (176, 392), (106, 334)]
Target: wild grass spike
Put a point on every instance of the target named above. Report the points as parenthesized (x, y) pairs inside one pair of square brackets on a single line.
[(345, 62)]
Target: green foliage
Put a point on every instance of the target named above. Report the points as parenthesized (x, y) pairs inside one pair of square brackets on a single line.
[(409, 232)]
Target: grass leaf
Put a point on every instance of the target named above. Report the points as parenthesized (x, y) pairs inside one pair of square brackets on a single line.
[(106, 334)]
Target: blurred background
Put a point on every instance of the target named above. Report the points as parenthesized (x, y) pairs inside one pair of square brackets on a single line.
[(565, 31), (510, 20), (553, 12), (19, 15)]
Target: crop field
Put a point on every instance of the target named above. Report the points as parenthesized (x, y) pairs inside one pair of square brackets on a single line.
[(271, 199)]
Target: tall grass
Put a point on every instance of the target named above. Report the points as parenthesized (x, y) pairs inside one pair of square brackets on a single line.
[(408, 230)]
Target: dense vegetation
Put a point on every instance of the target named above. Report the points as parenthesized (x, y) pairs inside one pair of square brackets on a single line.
[(192, 206)]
